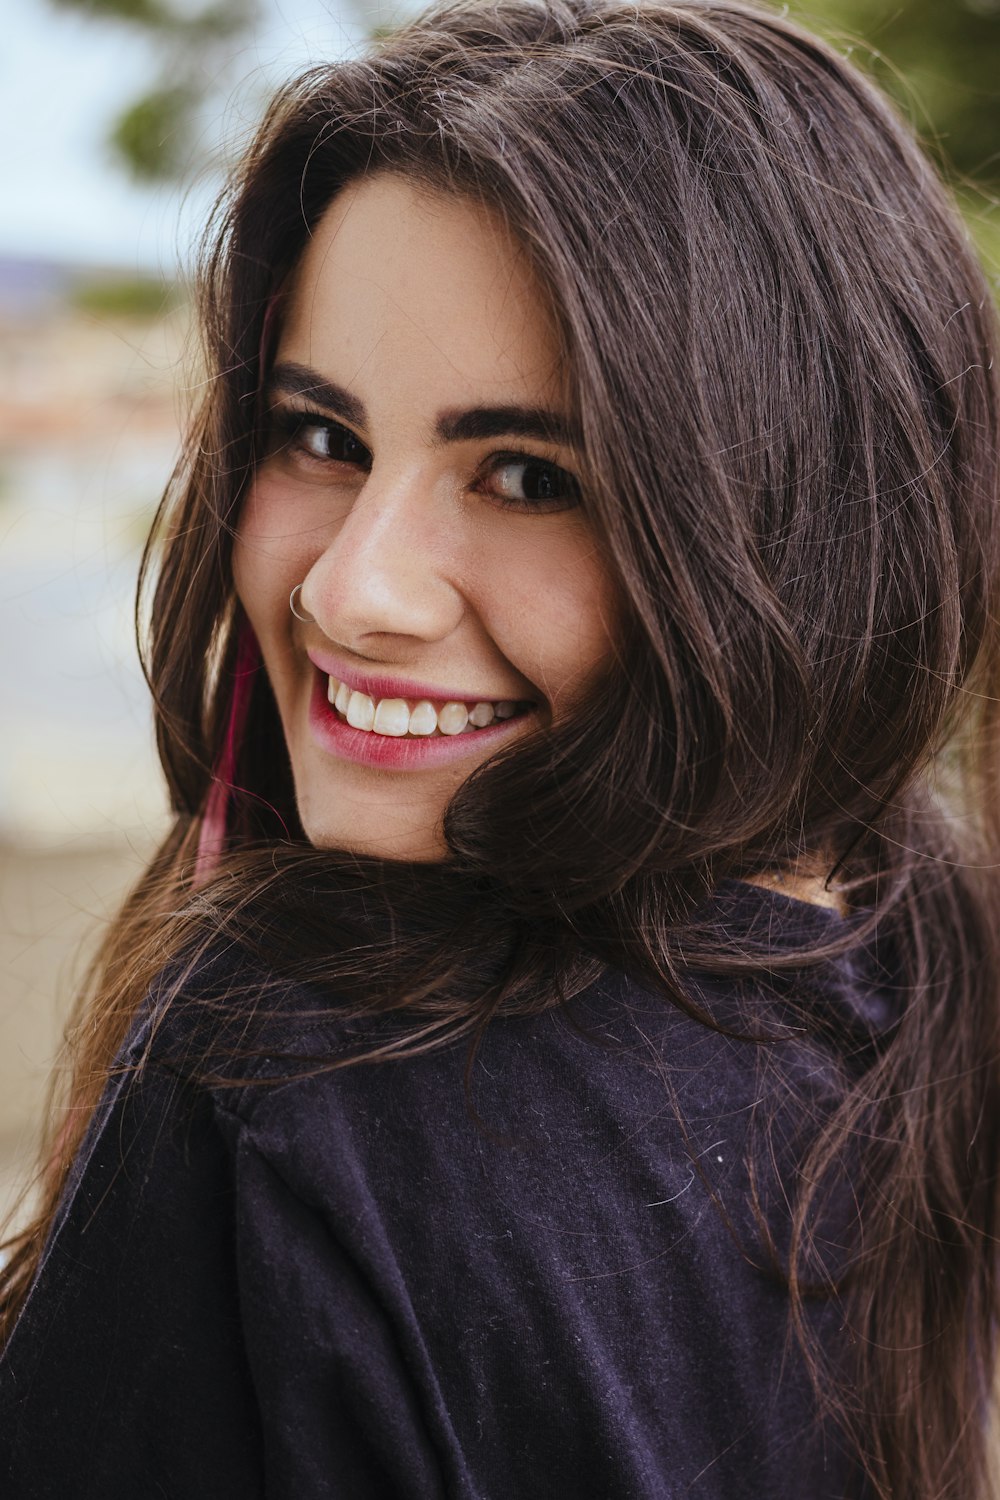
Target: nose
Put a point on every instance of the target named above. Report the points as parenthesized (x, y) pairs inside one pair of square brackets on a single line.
[(387, 569)]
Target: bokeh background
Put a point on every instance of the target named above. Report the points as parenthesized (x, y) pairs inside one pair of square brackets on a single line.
[(117, 121)]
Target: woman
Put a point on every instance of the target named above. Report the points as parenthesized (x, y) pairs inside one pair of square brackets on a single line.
[(555, 1049)]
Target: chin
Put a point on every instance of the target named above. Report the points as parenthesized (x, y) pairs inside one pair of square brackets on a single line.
[(390, 841)]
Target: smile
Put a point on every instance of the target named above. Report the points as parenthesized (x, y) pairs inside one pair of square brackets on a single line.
[(400, 734), (419, 718)]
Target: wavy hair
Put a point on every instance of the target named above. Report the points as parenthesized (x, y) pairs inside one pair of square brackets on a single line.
[(781, 354)]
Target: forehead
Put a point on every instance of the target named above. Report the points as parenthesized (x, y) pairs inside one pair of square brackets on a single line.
[(403, 283)]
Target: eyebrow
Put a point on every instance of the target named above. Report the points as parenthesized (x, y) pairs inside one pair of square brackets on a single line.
[(451, 426)]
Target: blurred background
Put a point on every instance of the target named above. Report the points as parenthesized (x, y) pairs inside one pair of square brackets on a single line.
[(118, 118)]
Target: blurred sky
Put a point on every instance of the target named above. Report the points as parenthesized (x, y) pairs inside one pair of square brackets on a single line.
[(64, 77)]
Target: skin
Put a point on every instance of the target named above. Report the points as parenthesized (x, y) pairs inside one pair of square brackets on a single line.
[(418, 559)]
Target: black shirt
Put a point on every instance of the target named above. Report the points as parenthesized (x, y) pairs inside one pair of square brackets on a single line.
[(347, 1286)]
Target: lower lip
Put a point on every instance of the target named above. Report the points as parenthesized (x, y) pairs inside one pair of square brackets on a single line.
[(397, 753)]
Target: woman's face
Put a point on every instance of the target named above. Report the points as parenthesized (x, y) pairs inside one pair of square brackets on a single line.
[(419, 486)]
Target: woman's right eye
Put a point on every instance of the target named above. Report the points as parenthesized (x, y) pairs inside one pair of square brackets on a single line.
[(317, 439)]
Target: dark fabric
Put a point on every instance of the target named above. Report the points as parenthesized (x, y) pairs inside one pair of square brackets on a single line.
[(347, 1287)]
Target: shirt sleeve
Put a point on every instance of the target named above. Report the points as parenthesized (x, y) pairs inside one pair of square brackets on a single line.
[(126, 1374), (342, 1412), (196, 1330)]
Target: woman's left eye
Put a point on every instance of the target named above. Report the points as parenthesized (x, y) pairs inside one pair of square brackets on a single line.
[(527, 483)]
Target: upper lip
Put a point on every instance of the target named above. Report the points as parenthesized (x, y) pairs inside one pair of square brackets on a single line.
[(397, 687)]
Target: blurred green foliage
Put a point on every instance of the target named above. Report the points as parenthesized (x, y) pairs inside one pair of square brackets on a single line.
[(138, 298), (225, 18), (145, 12), (940, 59), (155, 135)]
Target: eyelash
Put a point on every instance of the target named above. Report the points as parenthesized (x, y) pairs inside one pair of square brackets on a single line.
[(289, 427)]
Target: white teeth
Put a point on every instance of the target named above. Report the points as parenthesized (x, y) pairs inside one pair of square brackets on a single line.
[(360, 711), (481, 715), (392, 717), (452, 718), (423, 718)]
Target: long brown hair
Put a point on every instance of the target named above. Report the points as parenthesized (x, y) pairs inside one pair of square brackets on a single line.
[(781, 353)]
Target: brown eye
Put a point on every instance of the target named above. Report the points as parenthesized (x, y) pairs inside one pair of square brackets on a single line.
[(328, 440), (532, 483)]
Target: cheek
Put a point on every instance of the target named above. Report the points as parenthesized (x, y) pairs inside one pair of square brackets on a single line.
[(272, 552), (559, 610)]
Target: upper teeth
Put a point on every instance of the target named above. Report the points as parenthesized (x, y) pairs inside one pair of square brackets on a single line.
[(395, 716)]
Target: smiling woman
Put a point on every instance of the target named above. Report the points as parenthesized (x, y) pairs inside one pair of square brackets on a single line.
[(556, 1051), (451, 591)]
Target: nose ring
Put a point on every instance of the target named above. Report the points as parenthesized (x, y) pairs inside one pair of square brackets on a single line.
[(306, 619)]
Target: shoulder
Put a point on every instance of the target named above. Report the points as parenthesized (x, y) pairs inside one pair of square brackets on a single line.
[(612, 1099), (264, 1044), (572, 1204), (393, 1244)]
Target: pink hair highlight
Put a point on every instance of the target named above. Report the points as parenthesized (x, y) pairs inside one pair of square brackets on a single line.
[(213, 832)]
